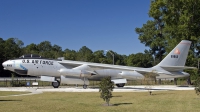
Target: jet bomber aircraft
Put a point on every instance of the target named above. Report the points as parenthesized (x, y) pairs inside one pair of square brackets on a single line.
[(77, 72)]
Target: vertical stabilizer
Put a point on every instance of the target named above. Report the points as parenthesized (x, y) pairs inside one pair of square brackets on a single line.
[(178, 56)]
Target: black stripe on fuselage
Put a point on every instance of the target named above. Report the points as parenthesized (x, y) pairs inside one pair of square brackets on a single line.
[(21, 72)]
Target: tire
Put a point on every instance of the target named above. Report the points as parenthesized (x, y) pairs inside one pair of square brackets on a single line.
[(56, 84), (84, 86), (120, 85)]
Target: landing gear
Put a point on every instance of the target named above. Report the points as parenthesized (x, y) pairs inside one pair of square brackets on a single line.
[(175, 81), (120, 85), (189, 81), (84, 85), (56, 84), (159, 81)]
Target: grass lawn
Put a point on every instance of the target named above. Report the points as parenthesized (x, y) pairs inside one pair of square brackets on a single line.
[(162, 101), (6, 93)]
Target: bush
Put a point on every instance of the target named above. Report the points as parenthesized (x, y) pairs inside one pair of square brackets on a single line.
[(106, 87)]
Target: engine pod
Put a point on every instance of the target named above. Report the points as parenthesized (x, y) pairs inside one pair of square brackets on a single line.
[(131, 75), (75, 73)]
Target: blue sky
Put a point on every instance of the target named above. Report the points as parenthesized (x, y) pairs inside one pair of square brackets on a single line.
[(97, 24)]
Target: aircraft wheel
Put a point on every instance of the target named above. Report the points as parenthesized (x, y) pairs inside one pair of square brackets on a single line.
[(84, 86), (120, 85), (56, 84)]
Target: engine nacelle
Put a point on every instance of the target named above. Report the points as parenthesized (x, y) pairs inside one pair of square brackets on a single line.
[(75, 73), (131, 75), (66, 80)]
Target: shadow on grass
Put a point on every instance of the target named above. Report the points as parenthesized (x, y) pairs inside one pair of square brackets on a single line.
[(160, 93), (117, 96), (135, 88), (117, 104), (9, 100)]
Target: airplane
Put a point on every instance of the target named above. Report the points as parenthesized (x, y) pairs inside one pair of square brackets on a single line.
[(77, 72)]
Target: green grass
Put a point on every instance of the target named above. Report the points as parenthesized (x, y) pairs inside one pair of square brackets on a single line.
[(7, 93), (162, 101)]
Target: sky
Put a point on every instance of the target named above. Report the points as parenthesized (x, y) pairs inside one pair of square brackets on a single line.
[(97, 24)]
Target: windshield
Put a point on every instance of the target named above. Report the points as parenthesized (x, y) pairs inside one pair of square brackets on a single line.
[(30, 56)]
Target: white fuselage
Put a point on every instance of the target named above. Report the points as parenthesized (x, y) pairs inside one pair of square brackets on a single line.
[(48, 67)]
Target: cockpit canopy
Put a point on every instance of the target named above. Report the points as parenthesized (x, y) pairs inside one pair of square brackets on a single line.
[(30, 56)]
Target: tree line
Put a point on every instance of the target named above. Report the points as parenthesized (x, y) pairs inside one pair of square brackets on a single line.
[(171, 21)]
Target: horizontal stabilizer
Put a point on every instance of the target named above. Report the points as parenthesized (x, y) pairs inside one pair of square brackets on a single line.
[(176, 68)]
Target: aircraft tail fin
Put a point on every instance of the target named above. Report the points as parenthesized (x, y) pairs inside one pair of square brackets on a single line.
[(178, 56)]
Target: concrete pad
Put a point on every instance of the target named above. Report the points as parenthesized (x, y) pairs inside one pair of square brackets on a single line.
[(21, 89), (38, 90)]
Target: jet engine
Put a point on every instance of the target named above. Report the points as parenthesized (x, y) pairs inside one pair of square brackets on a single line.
[(131, 75), (75, 73)]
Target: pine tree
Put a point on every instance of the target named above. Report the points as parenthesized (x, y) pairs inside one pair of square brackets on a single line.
[(106, 87)]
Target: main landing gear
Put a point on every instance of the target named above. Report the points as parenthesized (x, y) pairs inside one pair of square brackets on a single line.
[(56, 84), (84, 85)]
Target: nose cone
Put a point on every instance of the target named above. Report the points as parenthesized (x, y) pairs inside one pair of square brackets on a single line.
[(7, 64), (4, 64)]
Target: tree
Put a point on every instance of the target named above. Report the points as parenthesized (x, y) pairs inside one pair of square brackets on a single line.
[(1, 48), (12, 48), (140, 60), (120, 59), (197, 86), (109, 57), (70, 54), (172, 21), (56, 51), (31, 49), (44, 49), (99, 56), (85, 54), (151, 34), (106, 87), (2, 58)]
